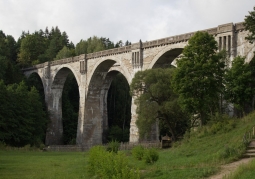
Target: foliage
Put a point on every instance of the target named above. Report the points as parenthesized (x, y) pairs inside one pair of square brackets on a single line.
[(31, 47), (239, 88), (42, 46), (8, 69), (156, 100), (65, 52), (249, 22), (138, 152), (109, 165), (199, 75), (113, 146), (119, 110), (70, 109), (118, 134), (21, 122), (150, 156)]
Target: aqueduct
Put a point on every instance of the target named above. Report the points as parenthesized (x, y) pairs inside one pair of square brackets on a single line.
[(95, 71)]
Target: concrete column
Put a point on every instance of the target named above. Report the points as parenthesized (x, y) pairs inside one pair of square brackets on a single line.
[(134, 133), (54, 134), (81, 117)]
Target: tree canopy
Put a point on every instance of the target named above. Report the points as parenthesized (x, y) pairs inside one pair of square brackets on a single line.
[(156, 100), (249, 22), (239, 84), (198, 78)]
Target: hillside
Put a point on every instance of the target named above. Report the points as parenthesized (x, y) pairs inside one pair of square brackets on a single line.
[(201, 153)]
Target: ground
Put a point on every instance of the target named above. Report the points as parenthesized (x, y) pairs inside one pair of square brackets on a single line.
[(229, 168)]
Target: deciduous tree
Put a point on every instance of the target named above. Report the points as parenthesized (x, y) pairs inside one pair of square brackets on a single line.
[(249, 24), (157, 101), (238, 84), (199, 76)]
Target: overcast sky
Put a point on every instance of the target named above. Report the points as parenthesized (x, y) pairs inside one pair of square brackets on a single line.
[(120, 19)]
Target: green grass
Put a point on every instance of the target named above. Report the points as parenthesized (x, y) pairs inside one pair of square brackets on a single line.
[(35, 164), (198, 155)]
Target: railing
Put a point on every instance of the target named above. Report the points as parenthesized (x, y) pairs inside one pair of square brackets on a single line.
[(249, 135), (145, 144)]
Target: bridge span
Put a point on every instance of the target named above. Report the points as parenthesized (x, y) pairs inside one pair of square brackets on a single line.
[(94, 73)]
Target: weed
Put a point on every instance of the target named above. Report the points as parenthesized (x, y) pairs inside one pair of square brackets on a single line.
[(113, 146), (150, 156), (138, 152)]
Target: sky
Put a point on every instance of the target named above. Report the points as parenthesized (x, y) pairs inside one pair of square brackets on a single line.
[(130, 20)]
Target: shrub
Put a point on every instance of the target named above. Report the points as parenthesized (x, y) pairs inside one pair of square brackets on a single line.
[(110, 165), (113, 146), (150, 156), (138, 152)]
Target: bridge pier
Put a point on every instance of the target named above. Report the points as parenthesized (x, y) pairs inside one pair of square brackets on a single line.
[(54, 133)]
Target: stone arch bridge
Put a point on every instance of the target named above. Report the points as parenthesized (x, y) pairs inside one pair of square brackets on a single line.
[(95, 71)]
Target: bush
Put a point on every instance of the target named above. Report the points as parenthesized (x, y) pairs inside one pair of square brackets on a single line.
[(138, 152), (113, 146), (151, 156), (110, 165)]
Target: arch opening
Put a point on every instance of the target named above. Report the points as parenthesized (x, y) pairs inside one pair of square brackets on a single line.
[(70, 109), (118, 109), (168, 58)]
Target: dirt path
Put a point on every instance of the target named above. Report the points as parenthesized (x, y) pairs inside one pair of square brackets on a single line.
[(229, 168)]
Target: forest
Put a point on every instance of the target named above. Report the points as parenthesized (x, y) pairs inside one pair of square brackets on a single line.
[(194, 93)]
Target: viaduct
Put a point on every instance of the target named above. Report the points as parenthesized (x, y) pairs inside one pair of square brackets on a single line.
[(94, 73)]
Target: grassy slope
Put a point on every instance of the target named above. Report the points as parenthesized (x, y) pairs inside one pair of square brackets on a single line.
[(197, 156), (202, 154)]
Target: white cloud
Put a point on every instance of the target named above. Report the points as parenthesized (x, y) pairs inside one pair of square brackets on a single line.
[(119, 19)]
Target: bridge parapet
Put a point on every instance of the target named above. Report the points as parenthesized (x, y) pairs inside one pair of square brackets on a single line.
[(239, 26), (159, 42)]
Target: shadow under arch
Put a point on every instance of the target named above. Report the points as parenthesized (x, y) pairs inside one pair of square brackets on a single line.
[(166, 57), (35, 77), (34, 80), (96, 121), (54, 135)]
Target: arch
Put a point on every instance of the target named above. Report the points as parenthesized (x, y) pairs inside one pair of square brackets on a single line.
[(118, 65), (28, 74), (176, 48), (96, 101), (65, 73), (55, 131)]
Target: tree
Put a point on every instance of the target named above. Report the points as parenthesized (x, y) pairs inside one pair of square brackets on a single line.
[(21, 122), (199, 76), (8, 54), (156, 100), (31, 47), (81, 47), (238, 84), (65, 52), (249, 24)]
